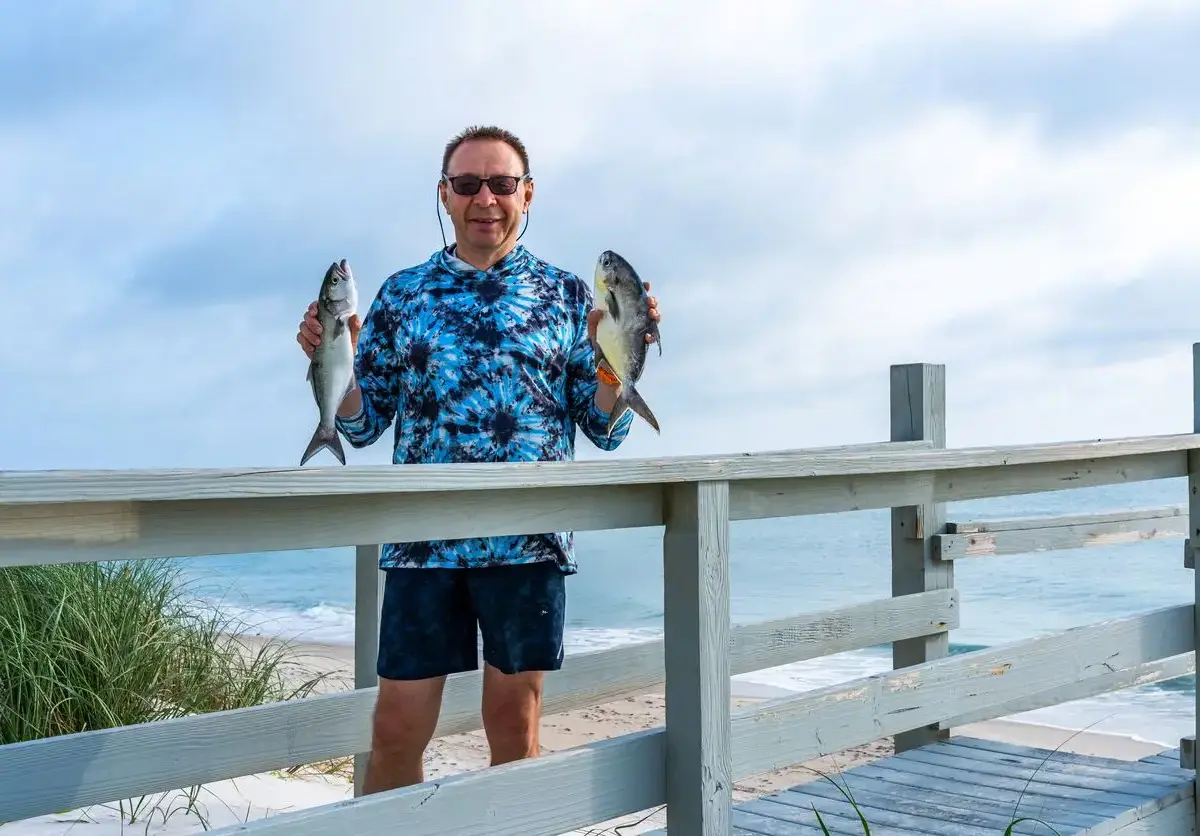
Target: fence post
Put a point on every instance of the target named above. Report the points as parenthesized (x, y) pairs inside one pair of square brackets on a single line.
[(918, 407), (368, 597), (1187, 746), (699, 765)]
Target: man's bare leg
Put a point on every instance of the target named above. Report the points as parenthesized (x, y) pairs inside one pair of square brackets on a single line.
[(512, 714), (406, 716)]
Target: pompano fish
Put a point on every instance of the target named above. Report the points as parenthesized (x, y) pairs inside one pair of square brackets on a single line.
[(331, 371), (621, 333)]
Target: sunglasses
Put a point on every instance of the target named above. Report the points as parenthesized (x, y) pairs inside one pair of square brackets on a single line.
[(470, 184)]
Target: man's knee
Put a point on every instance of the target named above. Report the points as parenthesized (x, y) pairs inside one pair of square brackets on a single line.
[(512, 708), (512, 704), (406, 714)]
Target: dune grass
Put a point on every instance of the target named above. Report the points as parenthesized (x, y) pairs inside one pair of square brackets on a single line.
[(92, 646)]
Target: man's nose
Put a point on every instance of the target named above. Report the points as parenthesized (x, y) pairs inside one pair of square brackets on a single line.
[(484, 196)]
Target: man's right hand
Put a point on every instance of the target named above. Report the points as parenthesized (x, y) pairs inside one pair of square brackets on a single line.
[(309, 335)]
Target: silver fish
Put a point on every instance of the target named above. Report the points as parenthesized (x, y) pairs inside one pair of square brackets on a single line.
[(621, 333), (331, 371)]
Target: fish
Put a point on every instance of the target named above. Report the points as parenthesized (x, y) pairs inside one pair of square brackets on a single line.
[(331, 371), (621, 333)]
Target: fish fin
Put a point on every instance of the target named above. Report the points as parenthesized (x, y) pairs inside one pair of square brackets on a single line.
[(619, 408), (325, 438), (633, 399), (308, 372), (653, 329), (312, 381), (600, 358)]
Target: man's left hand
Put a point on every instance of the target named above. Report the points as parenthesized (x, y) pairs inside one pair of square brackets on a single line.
[(596, 314)]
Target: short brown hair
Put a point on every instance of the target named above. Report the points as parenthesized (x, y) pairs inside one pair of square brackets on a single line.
[(485, 132)]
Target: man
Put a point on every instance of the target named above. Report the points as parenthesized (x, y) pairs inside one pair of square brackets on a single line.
[(484, 353)]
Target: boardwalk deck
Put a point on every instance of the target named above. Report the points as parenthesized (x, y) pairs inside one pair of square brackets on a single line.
[(972, 787)]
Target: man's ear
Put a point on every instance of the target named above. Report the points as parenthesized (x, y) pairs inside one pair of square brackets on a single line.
[(528, 193)]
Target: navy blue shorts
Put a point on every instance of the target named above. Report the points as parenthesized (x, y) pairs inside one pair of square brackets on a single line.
[(430, 617)]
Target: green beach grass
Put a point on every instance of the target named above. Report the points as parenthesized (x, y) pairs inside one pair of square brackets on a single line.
[(92, 646)]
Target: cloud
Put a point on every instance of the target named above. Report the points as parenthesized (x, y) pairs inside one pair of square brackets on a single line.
[(816, 191)]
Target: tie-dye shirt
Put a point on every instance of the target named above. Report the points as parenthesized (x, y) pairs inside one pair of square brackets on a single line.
[(480, 366)]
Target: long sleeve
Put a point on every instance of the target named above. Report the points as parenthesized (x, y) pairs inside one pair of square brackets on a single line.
[(582, 385), (377, 369)]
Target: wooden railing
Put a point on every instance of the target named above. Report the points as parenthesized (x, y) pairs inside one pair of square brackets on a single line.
[(692, 761)]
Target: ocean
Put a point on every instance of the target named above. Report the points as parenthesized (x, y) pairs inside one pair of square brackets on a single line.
[(785, 567)]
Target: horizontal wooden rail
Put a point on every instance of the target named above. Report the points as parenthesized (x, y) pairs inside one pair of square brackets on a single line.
[(546, 796), (118, 529), (828, 720), (1159, 670), (66, 772), (578, 787), (38, 487), (1035, 534), (1168, 512)]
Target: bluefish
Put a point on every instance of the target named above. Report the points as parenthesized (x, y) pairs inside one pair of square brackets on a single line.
[(331, 371), (621, 333)]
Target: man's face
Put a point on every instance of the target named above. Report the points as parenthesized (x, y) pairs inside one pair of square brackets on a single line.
[(486, 222)]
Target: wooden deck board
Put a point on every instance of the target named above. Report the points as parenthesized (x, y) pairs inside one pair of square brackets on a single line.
[(972, 787)]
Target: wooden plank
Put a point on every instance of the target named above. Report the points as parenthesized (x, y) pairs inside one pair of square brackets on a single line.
[(543, 796), (61, 773), (54, 486), (1153, 774), (1174, 819), (918, 413), (697, 634), (768, 498), (37, 487), (214, 526), (236, 526), (1050, 538), (368, 599), (1169, 512), (971, 787), (827, 720), (768, 644), (1167, 757), (1159, 670)]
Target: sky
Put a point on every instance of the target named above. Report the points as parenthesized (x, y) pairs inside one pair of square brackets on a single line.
[(815, 192)]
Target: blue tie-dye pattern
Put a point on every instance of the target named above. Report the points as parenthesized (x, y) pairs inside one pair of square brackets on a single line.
[(480, 366)]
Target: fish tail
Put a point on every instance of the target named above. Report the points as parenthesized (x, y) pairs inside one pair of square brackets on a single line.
[(325, 438), (619, 408), (630, 398)]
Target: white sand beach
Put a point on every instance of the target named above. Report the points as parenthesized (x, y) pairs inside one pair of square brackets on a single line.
[(253, 797)]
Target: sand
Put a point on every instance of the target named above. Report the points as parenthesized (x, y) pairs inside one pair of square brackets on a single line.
[(228, 802)]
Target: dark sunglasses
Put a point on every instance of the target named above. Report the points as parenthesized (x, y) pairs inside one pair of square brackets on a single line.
[(499, 184)]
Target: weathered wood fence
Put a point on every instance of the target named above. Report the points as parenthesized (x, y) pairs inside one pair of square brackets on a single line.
[(692, 762)]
